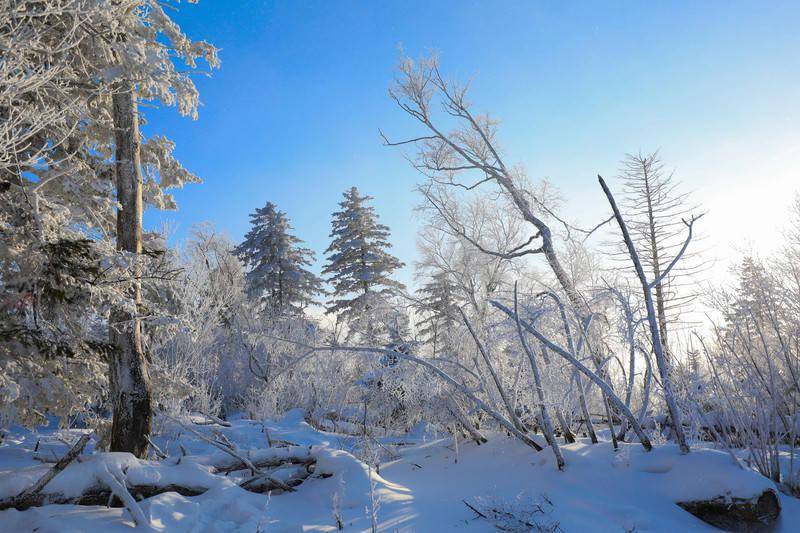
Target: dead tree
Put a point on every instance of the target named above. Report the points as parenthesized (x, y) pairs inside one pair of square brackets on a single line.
[(653, 208), (652, 320)]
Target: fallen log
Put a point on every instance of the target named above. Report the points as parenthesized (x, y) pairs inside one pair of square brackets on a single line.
[(738, 514), (264, 458), (33, 493), (292, 465), (97, 495), (100, 494)]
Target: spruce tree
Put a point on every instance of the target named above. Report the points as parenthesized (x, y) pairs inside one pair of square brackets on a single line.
[(278, 278), (437, 305), (359, 266)]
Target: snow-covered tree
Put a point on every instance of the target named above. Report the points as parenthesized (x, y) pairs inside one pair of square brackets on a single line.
[(81, 171), (359, 266), (278, 277), (655, 208), (438, 310)]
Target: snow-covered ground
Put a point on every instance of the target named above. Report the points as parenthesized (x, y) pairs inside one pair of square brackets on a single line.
[(426, 483)]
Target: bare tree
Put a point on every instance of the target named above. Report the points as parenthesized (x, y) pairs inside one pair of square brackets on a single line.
[(468, 157), (652, 320), (459, 155), (654, 207)]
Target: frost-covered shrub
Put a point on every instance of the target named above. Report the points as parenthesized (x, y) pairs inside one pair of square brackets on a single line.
[(522, 514)]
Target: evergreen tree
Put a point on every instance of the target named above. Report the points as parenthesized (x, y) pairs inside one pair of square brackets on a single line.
[(278, 278), (73, 161), (359, 267), (438, 307)]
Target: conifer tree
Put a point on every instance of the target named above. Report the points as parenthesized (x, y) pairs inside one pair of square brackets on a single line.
[(359, 266), (278, 279), (655, 209), (437, 305), (74, 159)]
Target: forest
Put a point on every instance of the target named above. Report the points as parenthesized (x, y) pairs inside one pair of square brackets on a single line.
[(538, 374)]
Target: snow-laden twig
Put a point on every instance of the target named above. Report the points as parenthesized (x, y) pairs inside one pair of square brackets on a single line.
[(160, 454), (118, 488), (588, 373), (230, 451)]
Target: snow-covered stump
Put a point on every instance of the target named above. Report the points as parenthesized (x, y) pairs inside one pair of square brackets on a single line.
[(738, 514)]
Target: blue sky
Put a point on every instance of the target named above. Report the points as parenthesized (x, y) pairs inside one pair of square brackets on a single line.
[(293, 114)]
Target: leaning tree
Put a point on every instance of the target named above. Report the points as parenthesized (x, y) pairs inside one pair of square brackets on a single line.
[(458, 152)]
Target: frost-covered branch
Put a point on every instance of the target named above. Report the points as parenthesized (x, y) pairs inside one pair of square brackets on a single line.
[(537, 381), (655, 334), (500, 388), (588, 373), (500, 419)]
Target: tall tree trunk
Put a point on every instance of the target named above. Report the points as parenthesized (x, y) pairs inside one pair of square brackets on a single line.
[(130, 380), (662, 362), (656, 263)]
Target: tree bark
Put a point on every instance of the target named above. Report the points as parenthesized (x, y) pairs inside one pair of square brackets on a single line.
[(129, 377)]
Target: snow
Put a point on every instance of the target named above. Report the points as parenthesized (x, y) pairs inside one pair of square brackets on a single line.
[(423, 486)]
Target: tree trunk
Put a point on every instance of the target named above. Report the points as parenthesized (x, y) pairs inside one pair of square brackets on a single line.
[(130, 380), (656, 261), (658, 349)]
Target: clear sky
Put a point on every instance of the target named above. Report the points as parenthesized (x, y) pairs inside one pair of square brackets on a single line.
[(293, 114)]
